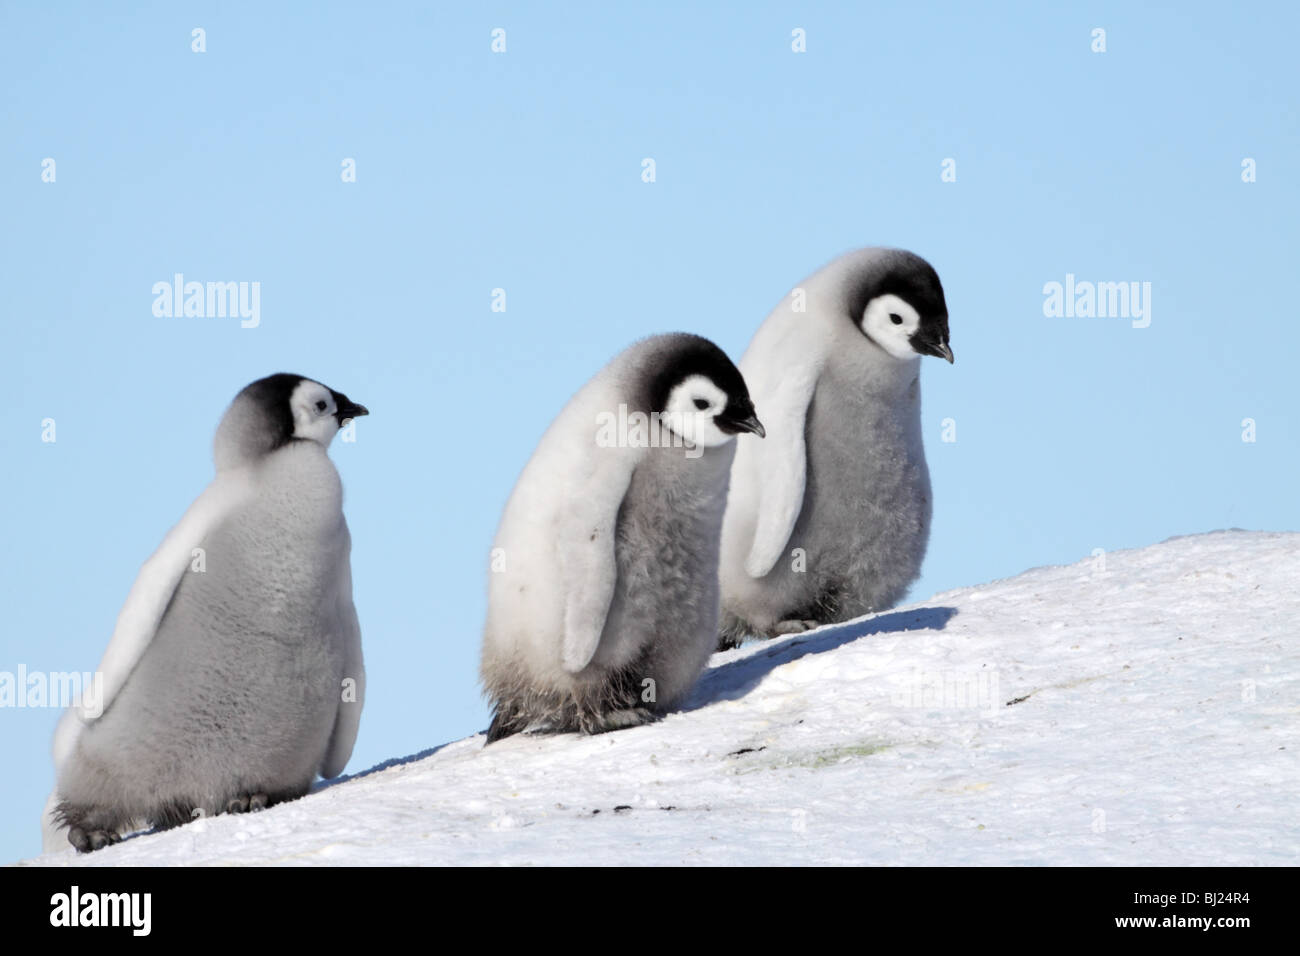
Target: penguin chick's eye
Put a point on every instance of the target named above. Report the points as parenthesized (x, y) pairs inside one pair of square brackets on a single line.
[(895, 318), (320, 406), (701, 404)]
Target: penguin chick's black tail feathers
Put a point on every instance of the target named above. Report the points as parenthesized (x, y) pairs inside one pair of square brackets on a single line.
[(502, 727)]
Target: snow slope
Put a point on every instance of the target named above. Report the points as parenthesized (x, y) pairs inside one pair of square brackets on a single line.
[(1155, 717)]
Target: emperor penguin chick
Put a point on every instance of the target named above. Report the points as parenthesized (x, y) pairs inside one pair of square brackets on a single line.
[(603, 600), (234, 675), (829, 518)]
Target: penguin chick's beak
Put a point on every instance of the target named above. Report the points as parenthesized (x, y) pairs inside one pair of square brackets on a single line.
[(733, 426), (938, 349), (350, 409)]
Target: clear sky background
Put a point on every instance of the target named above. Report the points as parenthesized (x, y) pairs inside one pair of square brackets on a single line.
[(522, 171)]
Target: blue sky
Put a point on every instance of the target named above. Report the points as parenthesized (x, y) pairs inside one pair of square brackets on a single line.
[(522, 171)]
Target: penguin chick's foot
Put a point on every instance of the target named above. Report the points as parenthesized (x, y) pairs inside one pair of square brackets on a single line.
[(87, 841), (783, 628), (727, 642), (248, 803), (622, 719), (91, 827)]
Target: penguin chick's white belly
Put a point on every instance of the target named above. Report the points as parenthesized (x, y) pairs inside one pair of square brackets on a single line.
[(239, 688), (864, 524)]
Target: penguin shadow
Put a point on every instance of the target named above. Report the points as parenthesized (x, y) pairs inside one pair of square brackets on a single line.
[(316, 787), (735, 679), (320, 785)]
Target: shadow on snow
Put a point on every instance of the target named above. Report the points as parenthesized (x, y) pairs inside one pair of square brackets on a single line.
[(735, 679)]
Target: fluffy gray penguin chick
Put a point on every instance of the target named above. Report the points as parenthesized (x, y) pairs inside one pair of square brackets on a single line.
[(603, 597), (830, 517), (234, 675)]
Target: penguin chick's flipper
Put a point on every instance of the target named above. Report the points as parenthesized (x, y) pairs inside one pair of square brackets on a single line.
[(622, 719)]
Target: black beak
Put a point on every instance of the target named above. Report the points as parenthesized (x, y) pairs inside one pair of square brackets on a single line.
[(733, 426), (348, 409), (937, 349)]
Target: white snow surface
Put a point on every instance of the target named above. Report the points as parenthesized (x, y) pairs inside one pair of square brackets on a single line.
[(1156, 723)]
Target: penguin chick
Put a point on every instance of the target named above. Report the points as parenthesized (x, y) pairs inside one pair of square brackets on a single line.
[(234, 675), (829, 518), (603, 600)]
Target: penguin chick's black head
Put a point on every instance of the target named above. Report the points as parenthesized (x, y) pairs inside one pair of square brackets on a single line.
[(273, 411), (897, 302), (695, 379)]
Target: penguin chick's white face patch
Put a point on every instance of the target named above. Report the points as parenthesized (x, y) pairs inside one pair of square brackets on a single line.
[(890, 323), (691, 409), (313, 410)]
